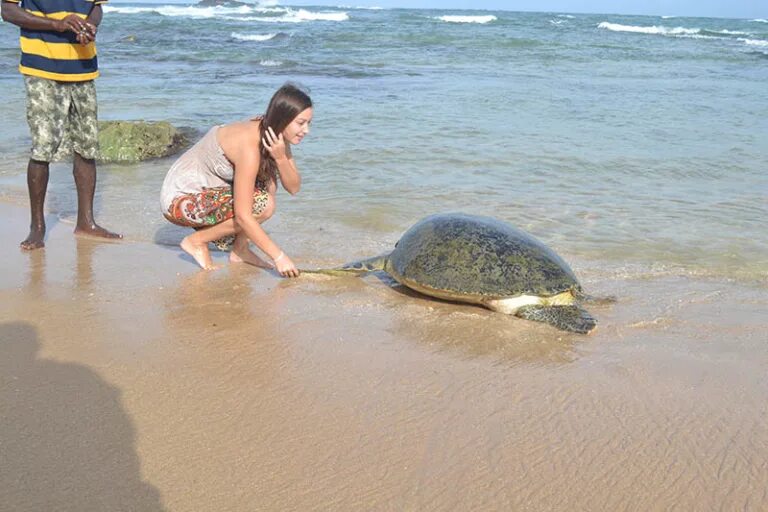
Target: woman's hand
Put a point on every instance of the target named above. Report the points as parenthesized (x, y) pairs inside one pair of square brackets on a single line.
[(285, 266), (274, 144)]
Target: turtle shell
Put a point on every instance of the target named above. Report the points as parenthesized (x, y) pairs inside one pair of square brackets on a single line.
[(469, 257)]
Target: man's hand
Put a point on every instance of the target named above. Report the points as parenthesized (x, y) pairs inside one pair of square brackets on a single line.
[(84, 32), (88, 35)]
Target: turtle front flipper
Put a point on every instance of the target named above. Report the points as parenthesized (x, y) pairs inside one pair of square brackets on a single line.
[(568, 318), (354, 268)]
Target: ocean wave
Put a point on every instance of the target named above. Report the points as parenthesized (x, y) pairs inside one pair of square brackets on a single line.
[(754, 42), (285, 15), (300, 16), (569, 16), (759, 20), (682, 32), (467, 19), (304, 15), (655, 30), (694, 33), (183, 11), (725, 32), (268, 63), (252, 37)]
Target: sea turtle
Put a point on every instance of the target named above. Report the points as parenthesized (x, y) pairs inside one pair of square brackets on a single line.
[(482, 260)]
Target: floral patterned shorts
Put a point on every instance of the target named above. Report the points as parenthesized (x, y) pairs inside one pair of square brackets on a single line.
[(210, 207)]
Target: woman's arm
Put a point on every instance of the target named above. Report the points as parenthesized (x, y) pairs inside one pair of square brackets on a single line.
[(246, 168), (245, 177)]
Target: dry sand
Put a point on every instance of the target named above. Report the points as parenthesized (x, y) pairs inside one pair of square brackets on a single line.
[(129, 380)]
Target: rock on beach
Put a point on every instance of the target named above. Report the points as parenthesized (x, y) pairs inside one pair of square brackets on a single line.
[(134, 141)]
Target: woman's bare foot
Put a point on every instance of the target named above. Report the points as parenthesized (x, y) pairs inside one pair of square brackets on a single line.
[(97, 231), (35, 240), (241, 253), (199, 253)]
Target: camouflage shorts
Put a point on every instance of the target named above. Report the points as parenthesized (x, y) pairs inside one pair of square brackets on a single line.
[(62, 118)]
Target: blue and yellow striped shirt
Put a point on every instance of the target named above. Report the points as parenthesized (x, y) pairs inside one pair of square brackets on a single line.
[(57, 55)]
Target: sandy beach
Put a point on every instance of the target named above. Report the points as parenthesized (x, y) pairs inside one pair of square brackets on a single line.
[(632, 145), (129, 380)]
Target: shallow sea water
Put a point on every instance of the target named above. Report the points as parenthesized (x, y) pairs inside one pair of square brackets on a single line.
[(628, 143)]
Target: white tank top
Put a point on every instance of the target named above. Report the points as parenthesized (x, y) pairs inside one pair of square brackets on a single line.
[(204, 165)]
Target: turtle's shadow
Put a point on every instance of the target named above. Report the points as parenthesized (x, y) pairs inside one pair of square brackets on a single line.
[(474, 330)]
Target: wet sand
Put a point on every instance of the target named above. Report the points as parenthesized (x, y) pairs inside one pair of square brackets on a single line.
[(129, 380)]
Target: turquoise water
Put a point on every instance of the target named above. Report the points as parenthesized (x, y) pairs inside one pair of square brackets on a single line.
[(629, 143)]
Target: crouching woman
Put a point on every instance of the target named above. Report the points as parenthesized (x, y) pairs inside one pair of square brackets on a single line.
[(225, 184)]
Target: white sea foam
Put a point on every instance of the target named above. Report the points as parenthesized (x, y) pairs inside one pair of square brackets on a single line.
[(692, 33), (759, 20), (236, 13), (301, 16), (754, 42), (731, 32), (252, 37), (183, 11), (565, 16), (305, 15), (664, 31), (557, 22), (267, 63), (467, 19)]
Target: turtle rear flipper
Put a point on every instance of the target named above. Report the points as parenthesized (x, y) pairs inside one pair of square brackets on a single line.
[(367, 265), (567, 318)]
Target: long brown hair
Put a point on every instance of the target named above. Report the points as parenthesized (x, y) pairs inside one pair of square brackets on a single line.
[(288, 102)]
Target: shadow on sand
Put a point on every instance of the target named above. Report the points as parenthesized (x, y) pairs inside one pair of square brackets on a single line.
[(65, 441)]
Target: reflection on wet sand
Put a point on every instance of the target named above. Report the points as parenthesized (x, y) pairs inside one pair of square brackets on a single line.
[(222, 301), (455, 327), (36, 274), (85, 248)]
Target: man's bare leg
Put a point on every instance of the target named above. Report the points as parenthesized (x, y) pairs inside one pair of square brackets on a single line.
[(196, 244), (84, 171), (37, 183)]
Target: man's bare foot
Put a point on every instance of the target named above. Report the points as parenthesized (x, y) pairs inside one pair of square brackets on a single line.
[(35, 240), (97, 231), (241, 253), (199, 253)]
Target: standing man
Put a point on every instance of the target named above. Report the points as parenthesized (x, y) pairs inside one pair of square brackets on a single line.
[(58, 61)]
